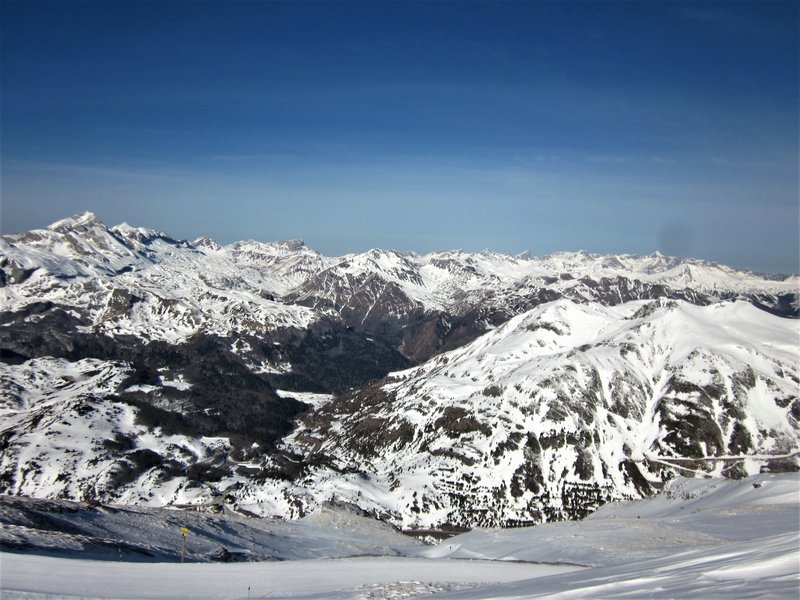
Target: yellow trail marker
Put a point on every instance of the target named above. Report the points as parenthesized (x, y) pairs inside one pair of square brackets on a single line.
[(184, 531)]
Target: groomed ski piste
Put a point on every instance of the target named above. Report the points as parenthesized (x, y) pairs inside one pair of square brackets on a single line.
[(699, 538)]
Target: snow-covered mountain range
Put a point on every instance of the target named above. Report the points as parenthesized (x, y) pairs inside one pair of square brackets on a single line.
[(470, 389), (126, 280)]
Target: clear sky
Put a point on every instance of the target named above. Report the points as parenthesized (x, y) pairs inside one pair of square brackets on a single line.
[(540, 126)]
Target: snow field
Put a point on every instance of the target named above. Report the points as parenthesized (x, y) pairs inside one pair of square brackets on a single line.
[(43, 577), (710, 539)]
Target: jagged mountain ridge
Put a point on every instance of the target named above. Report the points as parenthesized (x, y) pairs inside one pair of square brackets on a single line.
[(439, 301), (439, 281), (200, 336), (143, 282), (103, 291)]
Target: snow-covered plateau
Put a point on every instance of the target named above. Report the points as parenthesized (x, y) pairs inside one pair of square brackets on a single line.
[(698, 538)]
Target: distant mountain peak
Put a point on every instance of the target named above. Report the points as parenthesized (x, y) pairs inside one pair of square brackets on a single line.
[(207, 243), (292, 244), (84, 219)]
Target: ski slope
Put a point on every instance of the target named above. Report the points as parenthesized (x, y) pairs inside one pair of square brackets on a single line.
[(698, 539)]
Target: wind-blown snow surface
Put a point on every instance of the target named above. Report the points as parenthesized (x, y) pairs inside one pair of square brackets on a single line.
[(698, 539)]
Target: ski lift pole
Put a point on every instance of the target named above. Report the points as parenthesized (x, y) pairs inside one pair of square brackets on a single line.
[(184, 531)]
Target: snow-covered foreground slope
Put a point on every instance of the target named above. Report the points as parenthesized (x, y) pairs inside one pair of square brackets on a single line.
[(140, 534), (41, 578), (698, 539), (688, 514), (563, 408)]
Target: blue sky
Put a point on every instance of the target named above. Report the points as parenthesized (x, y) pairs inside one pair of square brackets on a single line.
[(540, 126)]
